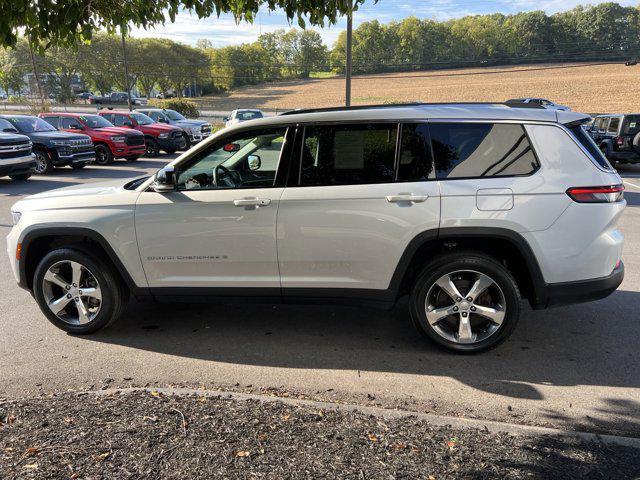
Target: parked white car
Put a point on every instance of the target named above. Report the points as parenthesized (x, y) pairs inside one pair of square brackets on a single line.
[(464, 208), (543, 102), (242, 115)]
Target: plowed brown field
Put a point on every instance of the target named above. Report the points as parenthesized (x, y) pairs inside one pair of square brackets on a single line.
[(592, 88)]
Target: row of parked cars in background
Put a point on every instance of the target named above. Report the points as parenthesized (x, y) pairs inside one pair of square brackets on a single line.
[(618, 136), (30, 144)]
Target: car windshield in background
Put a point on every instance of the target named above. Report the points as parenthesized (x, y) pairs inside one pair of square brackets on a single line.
[(173, 115), (6, 126), (249, 115), (142, 119), (587, 142), (31, 124), (631, 125), (95, 121)]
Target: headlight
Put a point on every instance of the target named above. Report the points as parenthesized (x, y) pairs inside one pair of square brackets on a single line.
[(60, 143), (16, 216), (119, 139), (195, 130), (163, 135)]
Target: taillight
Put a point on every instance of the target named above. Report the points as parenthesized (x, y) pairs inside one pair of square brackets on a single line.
[(619, 141), (606, 194)]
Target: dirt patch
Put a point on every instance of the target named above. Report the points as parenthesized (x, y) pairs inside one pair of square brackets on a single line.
[(149, 435), (583, 87)]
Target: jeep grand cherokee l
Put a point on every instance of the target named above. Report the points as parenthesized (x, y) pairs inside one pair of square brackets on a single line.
[(618, 136), (157, 136), (194, 130), (110, 142), (16, 158), (51, 147), (464, 208)]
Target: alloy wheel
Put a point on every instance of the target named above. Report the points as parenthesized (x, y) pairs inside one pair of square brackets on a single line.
[(72, 292), (41, 163), (465, 306)]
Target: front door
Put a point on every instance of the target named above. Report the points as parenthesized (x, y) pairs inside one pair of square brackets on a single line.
[(218, 228)]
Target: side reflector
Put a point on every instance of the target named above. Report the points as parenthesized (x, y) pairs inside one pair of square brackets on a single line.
[(18, 251), (603, 194)]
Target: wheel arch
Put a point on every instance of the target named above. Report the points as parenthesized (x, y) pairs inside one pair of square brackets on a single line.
[(507, 246), (37, 243)]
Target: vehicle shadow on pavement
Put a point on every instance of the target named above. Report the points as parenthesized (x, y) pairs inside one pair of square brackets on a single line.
[(587, 344), (632, 198), (30, 187)]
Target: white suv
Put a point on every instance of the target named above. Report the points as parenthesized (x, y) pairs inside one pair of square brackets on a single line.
[(466, 208)]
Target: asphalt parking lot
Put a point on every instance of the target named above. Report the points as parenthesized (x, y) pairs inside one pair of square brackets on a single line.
[(576, 367)]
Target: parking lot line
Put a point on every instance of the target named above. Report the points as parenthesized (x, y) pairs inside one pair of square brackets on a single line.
[(632, 184)]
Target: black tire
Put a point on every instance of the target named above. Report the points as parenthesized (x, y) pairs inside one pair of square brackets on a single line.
[(78, 166), (467, 263), (20, 177), (131, 159), (114, 296), (153, 149), (43, 162), (187, 142), (171, 151), (103, 155)]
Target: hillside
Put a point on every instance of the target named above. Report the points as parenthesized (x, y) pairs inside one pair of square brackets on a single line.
[(584, 87)]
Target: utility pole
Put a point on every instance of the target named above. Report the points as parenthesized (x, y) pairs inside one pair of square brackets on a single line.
[(34, 65), (347, 93), (126, 68)]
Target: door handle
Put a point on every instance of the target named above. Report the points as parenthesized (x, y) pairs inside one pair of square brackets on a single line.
[(252, 202), (407, 197)]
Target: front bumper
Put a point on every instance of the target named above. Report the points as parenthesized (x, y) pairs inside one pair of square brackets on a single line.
[(125, 151), (198, 137), (17, 166), (75, 158), (584, 290)]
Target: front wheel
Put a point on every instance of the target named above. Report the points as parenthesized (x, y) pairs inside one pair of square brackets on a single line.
[(44, 164), (153, 149), (20, 177), (103, 155), (465, 302), (77, 292)]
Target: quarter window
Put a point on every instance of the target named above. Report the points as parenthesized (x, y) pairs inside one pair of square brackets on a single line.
[(469, 150), (614, 123), (348, 154), (415, 162)]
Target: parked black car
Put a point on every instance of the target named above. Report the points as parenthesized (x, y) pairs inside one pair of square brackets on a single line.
[(51, 147), (618, 136), (195, 130), (16, 157)]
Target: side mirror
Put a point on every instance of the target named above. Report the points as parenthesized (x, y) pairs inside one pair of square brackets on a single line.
[(165, 180), (254, 162), (9, 130), (231, 147), (75, 127)]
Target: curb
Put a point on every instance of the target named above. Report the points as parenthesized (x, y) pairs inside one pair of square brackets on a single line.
[(431, 419)]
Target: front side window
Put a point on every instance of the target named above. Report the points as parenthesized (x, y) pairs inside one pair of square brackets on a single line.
[(173, 115), (348, 154), (471, 150), (156, 116), (142, 119), (68, 123), (95, 121), (248, 160)]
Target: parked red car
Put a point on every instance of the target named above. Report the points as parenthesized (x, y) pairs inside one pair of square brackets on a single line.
[(157, 136), (110, 141)]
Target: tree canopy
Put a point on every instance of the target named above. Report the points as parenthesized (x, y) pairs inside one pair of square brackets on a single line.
[(51, 22)]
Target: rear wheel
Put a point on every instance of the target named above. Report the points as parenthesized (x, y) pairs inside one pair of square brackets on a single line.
[(77, 292), (131, 159), (103, 155), (466, 302), (153, 149), (43, 162), (187, 142), (20, 177)]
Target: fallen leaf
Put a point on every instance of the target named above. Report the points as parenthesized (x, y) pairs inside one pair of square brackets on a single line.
[(262, 437), (372, 437), (8, 449), (155, 393), (286, 416), (101, 457), (242, 453), (30, 466), (202, 399), (31, 451), (431, 477)]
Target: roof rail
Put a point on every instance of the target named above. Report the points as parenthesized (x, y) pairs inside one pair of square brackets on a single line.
[(414, 104)]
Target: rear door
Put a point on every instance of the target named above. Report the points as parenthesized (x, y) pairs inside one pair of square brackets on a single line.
[(357, 195)]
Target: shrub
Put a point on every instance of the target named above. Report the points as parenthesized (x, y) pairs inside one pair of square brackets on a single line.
[(186, 107)]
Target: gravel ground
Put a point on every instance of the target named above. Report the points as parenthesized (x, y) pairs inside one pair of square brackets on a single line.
[(150, 435)]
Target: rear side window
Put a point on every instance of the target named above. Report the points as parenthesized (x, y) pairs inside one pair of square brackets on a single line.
[(587, 142), (631, 125), (614, 123), (472, 150), (415, 162), (348, 154)]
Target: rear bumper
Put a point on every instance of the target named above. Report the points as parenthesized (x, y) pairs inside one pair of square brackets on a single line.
[(584, 290), (17, 166)]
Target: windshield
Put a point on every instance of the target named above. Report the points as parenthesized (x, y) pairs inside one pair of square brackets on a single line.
[(31, 124), (6, 126), (142, 119), (173, 115), (249, 115), (95, 121)]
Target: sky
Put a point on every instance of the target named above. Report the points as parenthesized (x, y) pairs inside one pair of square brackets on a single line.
[(223, 31)]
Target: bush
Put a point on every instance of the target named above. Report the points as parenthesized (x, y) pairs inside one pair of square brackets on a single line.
[(186, 107)]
